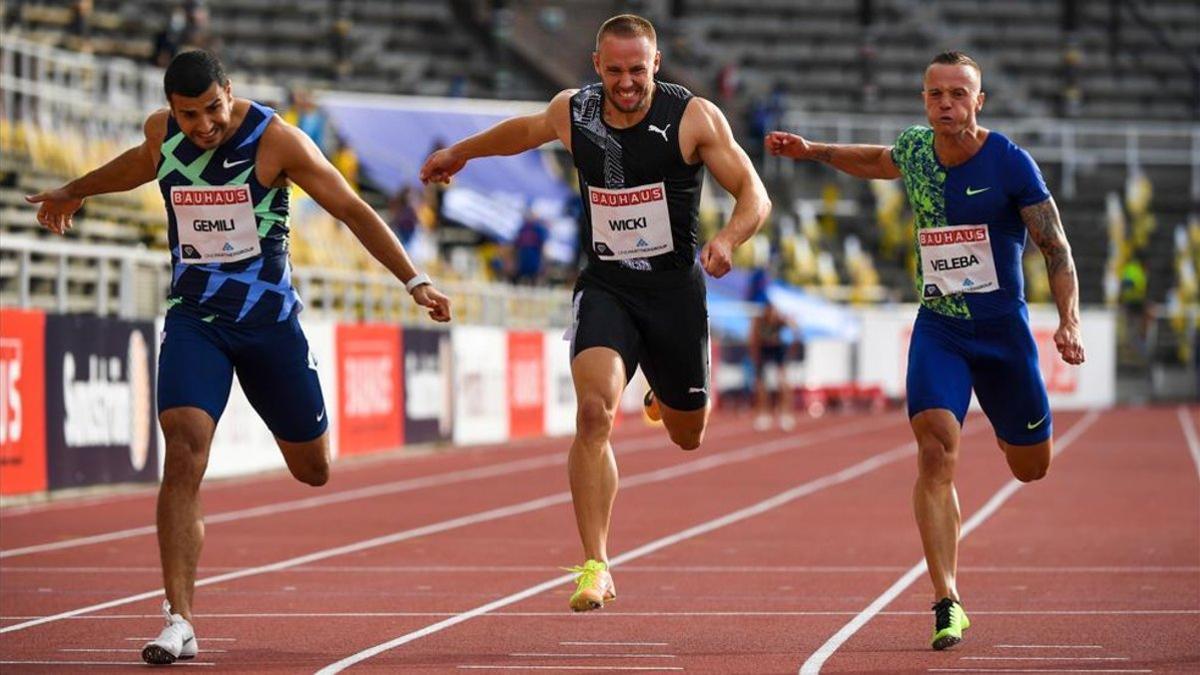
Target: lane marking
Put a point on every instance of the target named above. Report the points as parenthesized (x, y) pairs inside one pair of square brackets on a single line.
[(643, 668), (593, 656), (95, 663), (813, 664), (207, 650), (206, 639), (613, 613), (349, 465), (1038, 670), (694, 466), (1045, 658), (616, 644), (1189, 432), (631, 569), (394, 487), (864, 467), (1049, 646)]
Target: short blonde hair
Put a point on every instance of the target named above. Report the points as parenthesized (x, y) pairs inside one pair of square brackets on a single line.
[(955, 58), (627, 26)]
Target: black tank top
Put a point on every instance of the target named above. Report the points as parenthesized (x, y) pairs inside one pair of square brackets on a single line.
[(642, 155)]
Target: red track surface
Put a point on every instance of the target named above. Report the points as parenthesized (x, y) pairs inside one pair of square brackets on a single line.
[(1095, 569)]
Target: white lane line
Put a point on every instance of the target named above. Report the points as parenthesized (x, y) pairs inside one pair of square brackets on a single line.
[(864, 467), (1044, 658), (633, 569), (95, 663), (523, 667), (613, 613), (813, 664), (395, 487), (613, 644), (1189, 432), (1037, 670), (592, 656), (1049, 646), (130, 651), (206, 638), (694, 466)]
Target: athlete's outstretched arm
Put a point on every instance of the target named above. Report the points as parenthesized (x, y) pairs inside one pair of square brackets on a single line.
[(1045, 227), (124, 172), (731, 167), (861, 161), (512, 136), (302, 162)]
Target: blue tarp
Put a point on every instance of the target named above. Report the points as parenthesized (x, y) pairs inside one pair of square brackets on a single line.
[(392, 136), (817, 318)]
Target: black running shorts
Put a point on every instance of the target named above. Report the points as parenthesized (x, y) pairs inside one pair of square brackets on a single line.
[(658, 320)]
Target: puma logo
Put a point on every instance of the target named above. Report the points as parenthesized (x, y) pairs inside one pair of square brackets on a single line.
[(662, 131)]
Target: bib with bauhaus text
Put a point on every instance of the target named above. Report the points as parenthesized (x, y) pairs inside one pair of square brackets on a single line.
[(630, 223), (957, 259), (215, 223)]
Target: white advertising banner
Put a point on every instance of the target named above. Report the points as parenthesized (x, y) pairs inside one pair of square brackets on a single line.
[(560, 391), (883, 355), (480, 384)]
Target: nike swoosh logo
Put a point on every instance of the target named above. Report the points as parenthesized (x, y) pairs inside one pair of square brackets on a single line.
[(696, 390), (321, 416), (1033, 425), (189, 640), (972, 193), (229, 165)]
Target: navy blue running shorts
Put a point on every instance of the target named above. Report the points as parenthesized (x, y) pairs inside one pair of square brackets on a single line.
[(997, 357), (273, 364)]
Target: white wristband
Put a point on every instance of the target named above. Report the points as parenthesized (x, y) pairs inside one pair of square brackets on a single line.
[(418, 280)]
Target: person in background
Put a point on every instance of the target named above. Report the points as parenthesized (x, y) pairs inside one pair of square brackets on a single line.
[(527, 250), (769, 348)]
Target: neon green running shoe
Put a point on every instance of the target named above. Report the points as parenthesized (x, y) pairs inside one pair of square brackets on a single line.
[(949, 623), (594, 586)]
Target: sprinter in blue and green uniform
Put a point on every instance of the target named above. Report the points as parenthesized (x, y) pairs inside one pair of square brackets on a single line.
[(975, 195), (224, 165)]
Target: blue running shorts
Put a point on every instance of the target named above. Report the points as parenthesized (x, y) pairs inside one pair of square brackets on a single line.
[(997, 357), (274, 366)]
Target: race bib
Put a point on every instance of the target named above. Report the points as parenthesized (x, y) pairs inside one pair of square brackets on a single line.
[(630, 223), (215, 224), (957, 259)]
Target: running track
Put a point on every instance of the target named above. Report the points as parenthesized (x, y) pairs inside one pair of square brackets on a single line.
[(761, 553)]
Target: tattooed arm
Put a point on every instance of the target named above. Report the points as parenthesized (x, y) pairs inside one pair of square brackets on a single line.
[(860, 161), (1046, 229)]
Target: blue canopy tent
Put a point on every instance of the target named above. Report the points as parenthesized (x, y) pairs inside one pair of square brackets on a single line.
[(817, 318), (393, 135)]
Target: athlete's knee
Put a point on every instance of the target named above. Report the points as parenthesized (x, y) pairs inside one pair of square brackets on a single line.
[(185, 459), (1029, 471), (936, 457), (315, 475), (688, 438), (594, 417)]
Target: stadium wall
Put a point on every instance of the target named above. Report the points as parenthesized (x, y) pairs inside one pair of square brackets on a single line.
[(77, 391)]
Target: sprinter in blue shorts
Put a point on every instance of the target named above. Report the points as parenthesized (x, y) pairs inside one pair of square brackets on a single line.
[(974, 194), (224, 165)]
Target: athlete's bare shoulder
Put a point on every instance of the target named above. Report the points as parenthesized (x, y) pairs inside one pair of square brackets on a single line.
[(703, 124), (558, 114), (155, 131)]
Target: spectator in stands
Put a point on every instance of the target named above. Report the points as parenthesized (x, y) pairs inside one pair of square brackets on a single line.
[(403, 218), (769, 349), (1133, 307), (339, 45), (345, 160), (197, 28), (527, 250), (79, 31), (310, 119), (168, 40)]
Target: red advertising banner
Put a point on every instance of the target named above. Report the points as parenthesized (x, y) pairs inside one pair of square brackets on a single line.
[(370, 388), (526, 384), (22, 401)]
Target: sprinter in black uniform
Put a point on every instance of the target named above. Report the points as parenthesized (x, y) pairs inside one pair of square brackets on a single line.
[(640, 147)]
